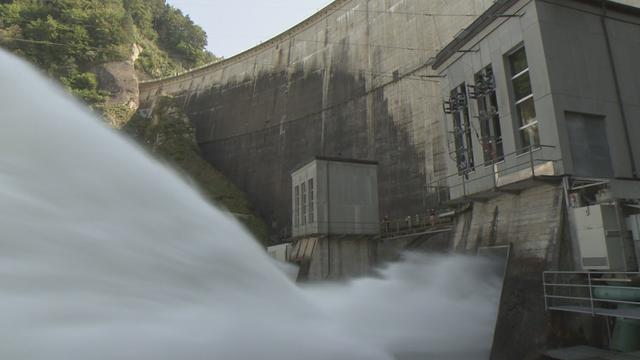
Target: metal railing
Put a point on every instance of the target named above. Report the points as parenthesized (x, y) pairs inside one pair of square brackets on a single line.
[(507, 164), (413, 224), (594, 293)]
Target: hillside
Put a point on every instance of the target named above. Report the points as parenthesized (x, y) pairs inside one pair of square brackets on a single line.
[(100, 49), (167, 133)]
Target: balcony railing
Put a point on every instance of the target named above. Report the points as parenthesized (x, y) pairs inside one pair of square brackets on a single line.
[(509, 169), (419, 223), (413, 224), (613, 294)]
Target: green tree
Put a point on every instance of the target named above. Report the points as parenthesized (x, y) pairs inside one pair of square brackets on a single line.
[(67, 38), (181, 37)]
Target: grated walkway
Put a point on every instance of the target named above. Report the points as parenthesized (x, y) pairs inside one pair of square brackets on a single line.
[(589, 353)]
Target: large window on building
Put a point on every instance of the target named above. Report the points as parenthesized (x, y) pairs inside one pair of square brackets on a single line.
[(484, 91), (296, 206), (527, 123), (459, 109), (311, 202)]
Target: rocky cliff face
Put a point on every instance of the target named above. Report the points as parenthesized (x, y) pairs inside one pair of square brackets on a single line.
[(120, 80)]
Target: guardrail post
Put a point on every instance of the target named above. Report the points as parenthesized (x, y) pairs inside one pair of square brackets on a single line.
[(533, 167), (464, 185), (494, 169), (593, 312)]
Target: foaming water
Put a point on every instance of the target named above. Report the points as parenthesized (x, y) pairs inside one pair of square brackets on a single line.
[(107, 254)]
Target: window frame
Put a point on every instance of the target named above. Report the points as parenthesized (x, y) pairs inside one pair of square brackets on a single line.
[(517, 117), (311, 190), (461, 117), (296, 206), (303, 205), (492, 129)]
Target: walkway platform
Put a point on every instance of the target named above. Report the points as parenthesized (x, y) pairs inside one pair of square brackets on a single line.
[(627, 313), (589, 353)]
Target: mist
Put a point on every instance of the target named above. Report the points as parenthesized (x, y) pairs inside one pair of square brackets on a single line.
[(106, 253)]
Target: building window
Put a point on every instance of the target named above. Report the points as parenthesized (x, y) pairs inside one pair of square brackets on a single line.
[(527, 123), (459, 109), (484, 92), (303, 190), (311, 202), (296, 206)]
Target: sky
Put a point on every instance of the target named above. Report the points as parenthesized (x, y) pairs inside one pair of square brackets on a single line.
[(233, 26)]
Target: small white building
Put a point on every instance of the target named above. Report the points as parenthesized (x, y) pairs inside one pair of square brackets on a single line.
[(335, 196)]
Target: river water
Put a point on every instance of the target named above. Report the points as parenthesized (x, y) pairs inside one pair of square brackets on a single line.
[(106, 253)]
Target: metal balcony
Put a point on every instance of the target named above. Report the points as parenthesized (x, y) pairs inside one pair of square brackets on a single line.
[(511, 173)]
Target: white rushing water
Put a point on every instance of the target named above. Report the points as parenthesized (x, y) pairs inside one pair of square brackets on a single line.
[(107, 254)]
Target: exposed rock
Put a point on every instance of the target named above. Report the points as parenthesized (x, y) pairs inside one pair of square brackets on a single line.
[(120, 80)]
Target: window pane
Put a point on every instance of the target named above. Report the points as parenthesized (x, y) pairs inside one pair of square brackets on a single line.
[(518, 61), (522, 86), (296, 206), (303, 189), (499, 150), (477, 78), (497, 133), (530, 136), (526, 112), (311, 202)]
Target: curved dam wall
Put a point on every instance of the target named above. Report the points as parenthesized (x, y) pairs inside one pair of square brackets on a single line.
[(352, 81)]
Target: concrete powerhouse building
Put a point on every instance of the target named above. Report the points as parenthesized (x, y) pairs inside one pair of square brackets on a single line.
[(335, 196), (504, 126), (541, 109)]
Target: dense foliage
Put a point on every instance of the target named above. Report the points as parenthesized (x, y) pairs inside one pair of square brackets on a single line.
[(67, 37)]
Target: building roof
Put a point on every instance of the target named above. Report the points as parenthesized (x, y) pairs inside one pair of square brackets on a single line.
[(334, 159), (338, 159), (500, 7)]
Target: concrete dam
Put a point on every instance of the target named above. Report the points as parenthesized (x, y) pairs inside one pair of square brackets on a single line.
[(351, 81), (512, 118)]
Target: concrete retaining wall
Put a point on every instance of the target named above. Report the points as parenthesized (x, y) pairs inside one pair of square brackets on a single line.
[(533, 223)]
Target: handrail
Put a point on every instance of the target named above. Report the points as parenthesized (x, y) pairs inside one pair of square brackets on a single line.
[(418, 223), (593, 272), (530, 162), (412, 224), (579, 293), (529, 150), (518, 153)]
